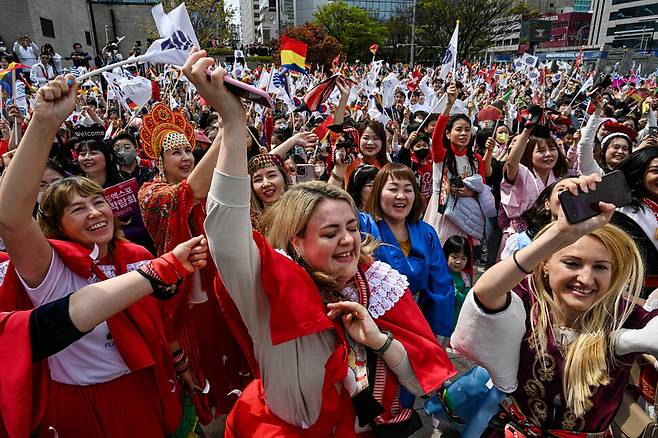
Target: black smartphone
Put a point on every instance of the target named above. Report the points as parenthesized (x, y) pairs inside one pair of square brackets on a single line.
[(612, 189)]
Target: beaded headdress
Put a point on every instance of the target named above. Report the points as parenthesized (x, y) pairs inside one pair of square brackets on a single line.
[(163, 129), (262, 161)]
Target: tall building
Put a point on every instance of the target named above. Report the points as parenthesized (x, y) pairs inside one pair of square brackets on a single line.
[(304, 10), (382, 9), (264, 20), (88, 22), (625, 23), (567, 30)]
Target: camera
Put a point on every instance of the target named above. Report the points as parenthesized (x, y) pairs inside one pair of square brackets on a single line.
[(456, 182)]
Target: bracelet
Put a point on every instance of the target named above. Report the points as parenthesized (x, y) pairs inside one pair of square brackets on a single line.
[(336, 177), (518, 265), (389, 340)]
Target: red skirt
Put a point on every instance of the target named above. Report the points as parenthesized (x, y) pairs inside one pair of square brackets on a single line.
[(251, 417), (128, 406), (214, 354)]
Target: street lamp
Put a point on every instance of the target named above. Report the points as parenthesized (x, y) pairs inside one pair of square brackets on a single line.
[(413, 34)]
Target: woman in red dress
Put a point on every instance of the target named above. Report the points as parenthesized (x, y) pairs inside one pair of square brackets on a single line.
[(331, 335)]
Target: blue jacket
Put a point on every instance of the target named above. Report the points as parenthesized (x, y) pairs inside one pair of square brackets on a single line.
[(425, 267)]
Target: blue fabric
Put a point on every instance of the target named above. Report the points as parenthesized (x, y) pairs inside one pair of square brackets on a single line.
[(426, 268)]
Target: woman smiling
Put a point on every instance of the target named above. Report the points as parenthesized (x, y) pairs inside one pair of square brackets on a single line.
[(309, 305), (117, 378)]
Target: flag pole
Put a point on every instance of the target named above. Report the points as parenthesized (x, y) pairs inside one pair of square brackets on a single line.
[(131, 60), (454, 64), (13, 100), (438, 101), (269, 80)]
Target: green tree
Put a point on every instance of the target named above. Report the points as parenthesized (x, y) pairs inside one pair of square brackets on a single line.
[(322, 47), (478, 28), (351, 26), (211, 20)]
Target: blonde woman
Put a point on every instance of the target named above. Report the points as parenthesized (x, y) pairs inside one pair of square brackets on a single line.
[(315, 316), (570, 325)]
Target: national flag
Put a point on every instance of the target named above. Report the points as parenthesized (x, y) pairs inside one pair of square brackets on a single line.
[(280, 80), (177, 36), (489, 112), (374, 48), (579, 59), (450, 57), (529, 60), (318, 94), (322, 130), (132, 92), (490, 74), (335, 63), (293, 54), (638, 94), (588, 83), (414, 79), (518, 64), (6, 74)]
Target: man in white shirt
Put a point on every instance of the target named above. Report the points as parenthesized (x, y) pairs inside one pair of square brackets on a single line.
[(26, 50), (42, 71)]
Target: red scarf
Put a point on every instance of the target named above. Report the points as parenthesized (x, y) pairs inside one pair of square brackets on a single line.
[(285, 282), (137, 331)]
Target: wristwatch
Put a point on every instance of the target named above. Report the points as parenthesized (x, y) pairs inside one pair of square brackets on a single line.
[(389, 340)]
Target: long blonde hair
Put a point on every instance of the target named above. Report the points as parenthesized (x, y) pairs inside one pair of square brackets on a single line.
[(589, 357), (290, 215)]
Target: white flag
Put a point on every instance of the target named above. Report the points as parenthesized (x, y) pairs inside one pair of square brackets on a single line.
[(450, 58), (389, 85), (133, 93), (176, 36), (588, 83), (529, 60), (518, 64)]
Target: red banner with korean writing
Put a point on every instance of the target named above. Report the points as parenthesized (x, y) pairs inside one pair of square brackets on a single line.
[(123, 198)]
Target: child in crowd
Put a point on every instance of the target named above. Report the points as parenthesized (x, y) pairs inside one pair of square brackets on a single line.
[(458, 255)]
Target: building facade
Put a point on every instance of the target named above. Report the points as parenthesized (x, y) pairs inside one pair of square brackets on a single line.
[(567, 30), (382, 10), (90, 23), (625, 24)]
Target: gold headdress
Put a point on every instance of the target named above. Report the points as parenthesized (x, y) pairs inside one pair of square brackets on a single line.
[(163, 128)]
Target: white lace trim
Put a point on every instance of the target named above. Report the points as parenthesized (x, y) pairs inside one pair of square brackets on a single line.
[(386, 288)]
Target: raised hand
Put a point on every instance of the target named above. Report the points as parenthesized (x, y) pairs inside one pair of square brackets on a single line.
[(210, 85), (306, 139), (344, 88), (55, 101), (193, 253), (576, 231), (452, 92)]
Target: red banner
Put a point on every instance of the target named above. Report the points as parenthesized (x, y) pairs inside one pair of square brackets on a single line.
[(122, 198)]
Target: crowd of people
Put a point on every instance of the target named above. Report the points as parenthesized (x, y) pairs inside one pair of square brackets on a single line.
[(306, 273)]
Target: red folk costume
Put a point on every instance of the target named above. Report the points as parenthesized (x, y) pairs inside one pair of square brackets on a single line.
[(171, 217), (284, 283), (29, 399)]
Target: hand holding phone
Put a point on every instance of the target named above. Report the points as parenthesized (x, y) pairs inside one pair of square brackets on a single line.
[(613, 189)]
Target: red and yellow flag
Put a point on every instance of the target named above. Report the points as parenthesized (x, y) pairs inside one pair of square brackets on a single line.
[(293, 54)]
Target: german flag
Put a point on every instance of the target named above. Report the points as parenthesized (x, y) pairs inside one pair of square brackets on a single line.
[(293, 54)]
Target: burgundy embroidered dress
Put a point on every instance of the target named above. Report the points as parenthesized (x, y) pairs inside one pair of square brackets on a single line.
[(539, 393), (194, 317)]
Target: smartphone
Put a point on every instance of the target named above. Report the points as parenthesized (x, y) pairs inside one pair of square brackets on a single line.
[(305, 173), (612, 189), (247, 91)]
